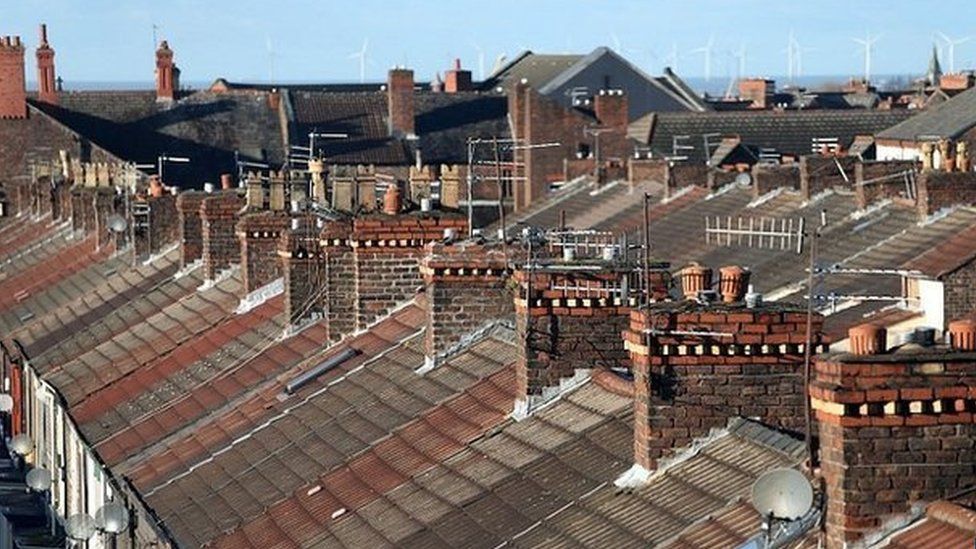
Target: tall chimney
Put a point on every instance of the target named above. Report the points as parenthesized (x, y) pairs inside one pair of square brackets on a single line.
[(400, 99), (167, 75), (46, 90), (758, 90), (13, 90), (457, 79)]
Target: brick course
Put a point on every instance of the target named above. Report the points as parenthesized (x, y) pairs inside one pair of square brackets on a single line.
[(259, 234), (218, 218), (190, 227), (895, 430), (685, 384)]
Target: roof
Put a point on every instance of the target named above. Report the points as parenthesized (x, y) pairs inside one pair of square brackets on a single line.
[(946, 257), (788, 132), (547, 480), (947, 120), (352, 432), (205, 126), (443, 121), (945, 524), (537, 69)]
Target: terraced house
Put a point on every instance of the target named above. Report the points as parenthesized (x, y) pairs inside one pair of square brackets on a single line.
[(343, 352)]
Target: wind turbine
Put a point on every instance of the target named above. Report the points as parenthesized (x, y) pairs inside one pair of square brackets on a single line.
[(481, 60), (790, 57), (951, 46), (868, 44), (798, 51), (361, 55), (671, 59), (706, 50), (740, 56), (271, 58)]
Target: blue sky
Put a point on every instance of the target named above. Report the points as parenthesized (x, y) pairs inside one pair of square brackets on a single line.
[(111, 40)]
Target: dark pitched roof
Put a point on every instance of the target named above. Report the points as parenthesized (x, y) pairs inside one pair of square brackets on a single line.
[(360, 115), (788, 132), (205, 126), (536, 68), (443, 122), (949, 119)]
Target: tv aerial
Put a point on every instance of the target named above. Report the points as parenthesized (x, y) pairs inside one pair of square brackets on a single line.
[(782, 494)]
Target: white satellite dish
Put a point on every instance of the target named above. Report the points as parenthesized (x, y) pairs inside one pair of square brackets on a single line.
[(783, 493), (6, 403), (80, 527), (39, 479), (112, 518), (21, 444), (116, 223), (743, 179)]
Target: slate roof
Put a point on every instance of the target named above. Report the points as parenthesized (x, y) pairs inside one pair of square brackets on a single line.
[(544, 481), (204, 126), (788, 132), (949, 119), (443, 123), (538, 69)]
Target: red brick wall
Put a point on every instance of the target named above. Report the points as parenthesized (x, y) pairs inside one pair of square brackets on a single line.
[(302, 270), (218, 218), (466, 287), (684, 385), (938, 190), (259, 234), (164, 226), (13, 89), (564, 330), (819, 173), (388, 251), (879, 188), (895, 430), (400, 101), (190, 228), (641, 170), (960, 292), (769, 177)]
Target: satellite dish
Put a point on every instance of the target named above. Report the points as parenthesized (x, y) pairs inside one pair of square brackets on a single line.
[(743, 179), (6, 403), (80, 527), (116, 223), (39, 479), (113, 518), (783, 493), (21, 444)]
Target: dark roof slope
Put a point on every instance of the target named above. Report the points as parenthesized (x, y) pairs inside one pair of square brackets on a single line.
[(206, 127), (443, 121), (789, 132), (945, 120), (536, 68)]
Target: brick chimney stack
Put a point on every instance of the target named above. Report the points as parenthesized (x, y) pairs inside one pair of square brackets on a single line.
[(896, 429), (697, 365), (399, 88), (167, 74), (46, 86), (758, 90), (13, 89), (457, 79), (610, 107)]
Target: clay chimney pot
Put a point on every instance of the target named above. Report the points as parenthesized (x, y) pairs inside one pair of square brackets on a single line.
[(962, 334), (695, 279), (733, 283), (868, 339), (391, 200), (226, 181)]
